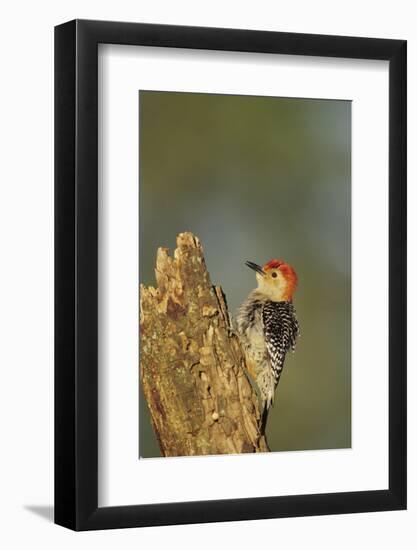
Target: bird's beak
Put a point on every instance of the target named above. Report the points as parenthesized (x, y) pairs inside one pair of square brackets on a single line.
[(255, 267)]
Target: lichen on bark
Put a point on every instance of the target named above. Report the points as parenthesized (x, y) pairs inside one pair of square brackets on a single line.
[(191, 364)]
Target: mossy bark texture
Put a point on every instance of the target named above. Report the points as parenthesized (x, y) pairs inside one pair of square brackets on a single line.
[(191, 364)]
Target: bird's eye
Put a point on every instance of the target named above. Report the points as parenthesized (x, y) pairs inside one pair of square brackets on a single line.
[(274, 275)]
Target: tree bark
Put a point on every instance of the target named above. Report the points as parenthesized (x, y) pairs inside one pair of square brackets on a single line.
[(191, 364)]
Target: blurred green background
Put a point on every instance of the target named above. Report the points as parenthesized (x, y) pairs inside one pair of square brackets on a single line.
[(258, 178)]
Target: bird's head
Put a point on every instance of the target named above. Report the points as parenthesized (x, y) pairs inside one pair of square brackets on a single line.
[(276, 279)]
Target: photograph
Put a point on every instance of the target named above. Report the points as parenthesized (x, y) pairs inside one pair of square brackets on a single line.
[(208, 234), (245, 274)]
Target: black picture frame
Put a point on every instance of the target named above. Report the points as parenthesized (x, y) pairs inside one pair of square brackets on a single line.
[(76, 272)]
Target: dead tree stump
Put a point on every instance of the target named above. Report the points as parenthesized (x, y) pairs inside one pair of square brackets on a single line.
[(191, 365)]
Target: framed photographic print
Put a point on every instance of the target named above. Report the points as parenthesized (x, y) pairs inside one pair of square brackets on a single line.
[(230, 338)]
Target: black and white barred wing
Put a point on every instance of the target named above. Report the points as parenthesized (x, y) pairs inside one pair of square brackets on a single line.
[(281, 330), (295, 332)]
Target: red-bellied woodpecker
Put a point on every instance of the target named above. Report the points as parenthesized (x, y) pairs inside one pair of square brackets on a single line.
[(267, 325)]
